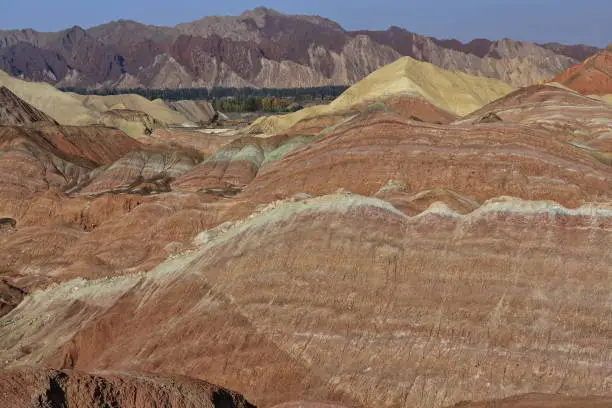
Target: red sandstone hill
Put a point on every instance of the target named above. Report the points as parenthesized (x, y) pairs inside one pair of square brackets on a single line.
[(540, 401), (591, 77), (35, 159), (391, 255), (344, 298), (571, 116), (520, 401), (480, 161)]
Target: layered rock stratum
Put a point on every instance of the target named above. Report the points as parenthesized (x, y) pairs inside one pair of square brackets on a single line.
[(590, 77), (61, 106), (385, 253), (260, 48), (201, 112), (42, 388), (132, 113), (446, 93), (14, 111), (476, 305), (539, 106), (159, 111)]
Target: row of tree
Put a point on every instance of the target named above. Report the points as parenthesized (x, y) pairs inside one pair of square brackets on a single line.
[(256, 104), (298, 95)]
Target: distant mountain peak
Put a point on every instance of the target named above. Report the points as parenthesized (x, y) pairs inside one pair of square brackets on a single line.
[(127, 22), (260, 12), (76, 28), (395, 28), (254, 48)]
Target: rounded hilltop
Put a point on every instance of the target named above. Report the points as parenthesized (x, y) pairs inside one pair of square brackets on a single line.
[(454, 92), (593, 76)]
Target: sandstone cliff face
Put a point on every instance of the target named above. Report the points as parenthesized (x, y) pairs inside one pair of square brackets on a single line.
[(42, 388), (15, 111), (260, 48)]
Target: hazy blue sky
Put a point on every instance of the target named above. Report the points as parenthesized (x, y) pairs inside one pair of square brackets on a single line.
[(566, 21)]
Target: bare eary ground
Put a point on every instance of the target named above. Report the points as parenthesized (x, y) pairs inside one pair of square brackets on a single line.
[(475, 306), (378, 255)]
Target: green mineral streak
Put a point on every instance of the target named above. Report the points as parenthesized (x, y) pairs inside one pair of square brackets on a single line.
[(377, 107), (250, 152), (287, 147)]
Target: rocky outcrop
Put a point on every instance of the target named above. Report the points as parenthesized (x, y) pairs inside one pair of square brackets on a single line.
[(261, 48), (201, 112), (10, 296), (15, 111), (7, 223), (41, 388), (132, 123)]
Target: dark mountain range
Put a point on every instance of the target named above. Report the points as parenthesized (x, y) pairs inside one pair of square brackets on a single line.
[(260, 48)]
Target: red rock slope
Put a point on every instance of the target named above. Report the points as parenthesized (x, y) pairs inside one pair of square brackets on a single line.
[(480, 161), (37, 158), (42, 388), (569, 115), (344, 298), (541, 401), (591, 77), (521, 401), (419, 285)]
